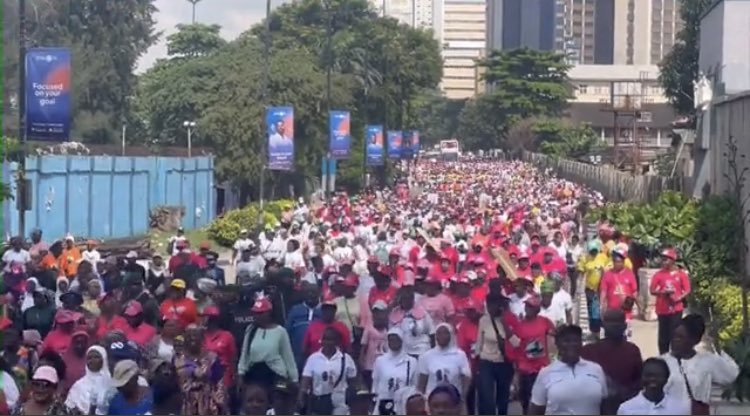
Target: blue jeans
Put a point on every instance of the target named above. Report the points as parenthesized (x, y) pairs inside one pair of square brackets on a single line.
[(595, 315), (493, 387)]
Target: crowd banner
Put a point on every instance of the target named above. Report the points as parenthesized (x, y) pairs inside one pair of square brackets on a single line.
[(280, 129), (48, 73), (340, 136), (394, 144), (406, 149), (374, 138)]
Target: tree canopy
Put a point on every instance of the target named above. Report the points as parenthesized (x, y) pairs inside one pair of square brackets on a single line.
[(522, 83), (106, 39), (377, 68), (679, 69)]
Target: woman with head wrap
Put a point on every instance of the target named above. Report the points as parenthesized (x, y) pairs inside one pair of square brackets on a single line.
[(91, 389), (393, 370), (409, 401), (444, 363)]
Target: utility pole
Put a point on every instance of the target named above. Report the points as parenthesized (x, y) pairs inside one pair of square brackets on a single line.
[(189, 125), (21, 188), (264, 98), (194, 2)]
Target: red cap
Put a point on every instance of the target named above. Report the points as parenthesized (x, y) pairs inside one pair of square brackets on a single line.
[(205, 245), (134, 308), (261, 305), (351, 280), (210, 310), (523, 254), (669, 253)]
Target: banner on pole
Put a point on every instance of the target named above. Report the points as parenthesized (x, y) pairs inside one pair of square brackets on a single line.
[(280, 130), (48, 73), (374, 139), (394, 144), (340, 136)]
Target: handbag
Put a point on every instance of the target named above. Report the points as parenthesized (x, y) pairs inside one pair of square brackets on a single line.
[(696, 407)]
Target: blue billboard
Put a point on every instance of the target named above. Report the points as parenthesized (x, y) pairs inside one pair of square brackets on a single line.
[(340, 136), (394, 144), (48, 73), (374, 139), (280, 130)]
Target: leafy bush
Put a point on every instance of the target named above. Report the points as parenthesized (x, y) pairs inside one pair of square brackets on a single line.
[(226, 229), (739, 349)]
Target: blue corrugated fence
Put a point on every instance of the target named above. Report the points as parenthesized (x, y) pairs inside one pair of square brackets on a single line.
[(110, 197)]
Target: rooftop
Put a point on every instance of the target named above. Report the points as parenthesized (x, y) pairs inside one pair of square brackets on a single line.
[(614, 72)]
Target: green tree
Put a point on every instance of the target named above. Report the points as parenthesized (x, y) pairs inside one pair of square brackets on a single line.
[(679, 69), (556, 138), (106, 39), (435, 116), (193, 40), (522, 83)]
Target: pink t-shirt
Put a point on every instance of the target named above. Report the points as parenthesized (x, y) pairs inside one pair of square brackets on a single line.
[(377, 345), (440, 308)]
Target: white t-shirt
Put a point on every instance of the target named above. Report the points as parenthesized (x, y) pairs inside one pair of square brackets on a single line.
[(444, 366), (391, 373), (21, 257), (243, 244), (93, 257), (562, 299), (554, 313), (669, 405), (570, 390), (325, 372), (417, 333), (517, 305)]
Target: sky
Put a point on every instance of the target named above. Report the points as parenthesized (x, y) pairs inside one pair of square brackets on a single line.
[(234, 16)]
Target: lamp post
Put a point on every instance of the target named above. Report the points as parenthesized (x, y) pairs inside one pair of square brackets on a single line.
[(194, 2), (189, 125), (21, 188), (264, 99)]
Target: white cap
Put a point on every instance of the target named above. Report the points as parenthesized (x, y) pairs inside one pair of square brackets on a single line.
[(131, 255)]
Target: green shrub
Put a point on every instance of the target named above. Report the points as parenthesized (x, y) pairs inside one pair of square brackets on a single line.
[(226, 229), (727, 311)]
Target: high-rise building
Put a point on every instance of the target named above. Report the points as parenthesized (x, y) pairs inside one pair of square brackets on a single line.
[(621, 32), (415, 13), (460, 28), (522, 23), (462, 35)]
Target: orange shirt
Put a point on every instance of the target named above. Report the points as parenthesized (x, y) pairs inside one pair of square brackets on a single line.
[(49, 262), (69, 261)]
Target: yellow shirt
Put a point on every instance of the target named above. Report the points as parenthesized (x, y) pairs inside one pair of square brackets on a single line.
[(592, 269)]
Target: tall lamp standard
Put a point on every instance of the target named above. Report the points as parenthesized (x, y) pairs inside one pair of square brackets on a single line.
[(189, 125), (194, 2)]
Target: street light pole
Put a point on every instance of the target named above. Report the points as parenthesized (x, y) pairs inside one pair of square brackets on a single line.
[(21, 189), (194, 2), (264, 98), (189, 125)]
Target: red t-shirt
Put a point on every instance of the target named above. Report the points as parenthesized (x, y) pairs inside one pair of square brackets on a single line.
[(183, 309), (467, 333), (675, 279), (314, 334), (102, 327), (222, 344), (616, 286), (386, 296), (141, 335), (460, 304), (532, 354)]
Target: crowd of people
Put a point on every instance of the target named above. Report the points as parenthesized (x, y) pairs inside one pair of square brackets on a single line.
[(453, 293)]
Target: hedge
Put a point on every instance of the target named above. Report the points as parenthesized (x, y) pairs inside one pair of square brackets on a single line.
[(226, 229)]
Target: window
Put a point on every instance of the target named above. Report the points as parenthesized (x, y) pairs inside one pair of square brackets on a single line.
[(583, 88)]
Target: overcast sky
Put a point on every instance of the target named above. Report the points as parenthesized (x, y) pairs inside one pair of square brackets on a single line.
[(234, 16)]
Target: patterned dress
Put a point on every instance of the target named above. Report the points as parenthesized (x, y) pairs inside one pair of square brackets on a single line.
[(57, 408), (202, 384)]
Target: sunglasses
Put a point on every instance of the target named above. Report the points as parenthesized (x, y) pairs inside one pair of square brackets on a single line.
[(41, 384)]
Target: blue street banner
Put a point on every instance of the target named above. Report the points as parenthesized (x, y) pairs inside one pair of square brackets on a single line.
[(340, 136), (48, 72), (374, 138), (280, 128), (406, 149), (394, 144)]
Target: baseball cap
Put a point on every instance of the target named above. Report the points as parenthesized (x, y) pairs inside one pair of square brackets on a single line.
[(134, 308), (124, 371), (178, 284), (46, 373)]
